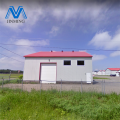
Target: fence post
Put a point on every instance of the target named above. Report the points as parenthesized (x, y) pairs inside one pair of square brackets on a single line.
[(22, 86), (9, 75), (2, 82), (104, 87), (81, 85), (61, 86), (40, 85)]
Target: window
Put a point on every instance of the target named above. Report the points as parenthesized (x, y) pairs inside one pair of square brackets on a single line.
[(67, 62), (80, 62)]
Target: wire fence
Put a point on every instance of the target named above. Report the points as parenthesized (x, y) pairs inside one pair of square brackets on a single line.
[(102, 86), (6, 77)]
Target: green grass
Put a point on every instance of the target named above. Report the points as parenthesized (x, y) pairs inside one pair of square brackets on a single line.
[(16, 81), (99, 78), (51, 105), (6, 76), (10, 81)]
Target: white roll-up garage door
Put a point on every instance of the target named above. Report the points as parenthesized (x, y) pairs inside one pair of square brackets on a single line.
[(48, 73)]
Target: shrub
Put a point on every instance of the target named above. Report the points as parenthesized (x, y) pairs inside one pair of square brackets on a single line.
[(20, 77)]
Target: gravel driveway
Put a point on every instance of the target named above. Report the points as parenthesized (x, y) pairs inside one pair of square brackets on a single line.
[(108, 87)]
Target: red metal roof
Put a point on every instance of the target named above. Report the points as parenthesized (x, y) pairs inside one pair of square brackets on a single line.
[(114, 69), (101, 71), (59, 54)]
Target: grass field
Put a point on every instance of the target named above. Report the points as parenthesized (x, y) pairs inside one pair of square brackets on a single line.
[(15, 81), (6, 76), (99, 78), (51, 105)]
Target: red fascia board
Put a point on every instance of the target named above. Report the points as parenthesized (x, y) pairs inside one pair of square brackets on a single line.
[(59, 54), (56, 56)]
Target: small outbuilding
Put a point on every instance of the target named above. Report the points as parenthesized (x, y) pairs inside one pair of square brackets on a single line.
[(50, 67)]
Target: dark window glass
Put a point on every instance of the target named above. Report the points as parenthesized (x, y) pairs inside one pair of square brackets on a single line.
[(67, 62), (80, 62)]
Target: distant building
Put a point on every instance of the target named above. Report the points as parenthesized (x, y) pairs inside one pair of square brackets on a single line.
[(103, 72), (94, 72), (109, 71), (100, 72)]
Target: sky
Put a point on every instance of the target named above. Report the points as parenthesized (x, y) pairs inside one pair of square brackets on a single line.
[(92, 26)]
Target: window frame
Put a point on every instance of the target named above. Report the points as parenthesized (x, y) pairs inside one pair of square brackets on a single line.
[(80, 60), (67, 60)]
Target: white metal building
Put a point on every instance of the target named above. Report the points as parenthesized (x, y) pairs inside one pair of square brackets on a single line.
[(94, 72), (111, 71), (50, 67), (101, 72)]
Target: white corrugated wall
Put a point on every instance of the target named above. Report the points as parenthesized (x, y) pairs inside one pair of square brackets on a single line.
[(68, 73)]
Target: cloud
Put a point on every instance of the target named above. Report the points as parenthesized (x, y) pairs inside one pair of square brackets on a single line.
[(114, 54), (100, 39), (83, 11), (83, 14), (54, 30), (27, 49), (105, 40), (98, 57), (27, 29), (9, 63), (32, 43)]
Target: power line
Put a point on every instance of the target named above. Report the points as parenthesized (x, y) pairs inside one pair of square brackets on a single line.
[(18, 38), (60, 47), (10, 57), (11, 51)]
